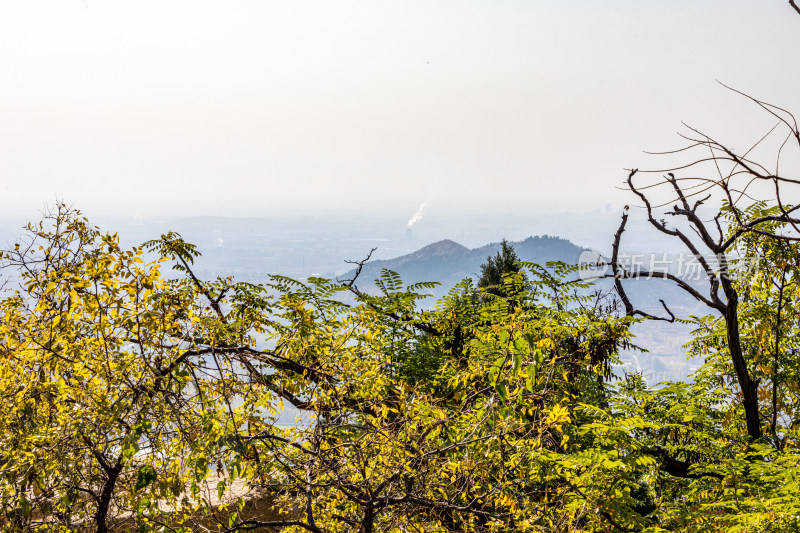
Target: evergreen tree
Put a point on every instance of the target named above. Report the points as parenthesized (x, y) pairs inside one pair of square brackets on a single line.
[(496, 268)]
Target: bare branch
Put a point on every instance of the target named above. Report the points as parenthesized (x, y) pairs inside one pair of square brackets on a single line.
[(350, 283)]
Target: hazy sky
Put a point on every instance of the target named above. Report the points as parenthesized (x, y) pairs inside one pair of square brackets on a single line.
[(263, 107)]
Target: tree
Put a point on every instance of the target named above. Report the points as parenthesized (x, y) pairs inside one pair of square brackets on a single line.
[(707, 241), (766, 282), (470, 448), (126, 389), (496, 269), (711, 244), (116, 382), (91, 377)]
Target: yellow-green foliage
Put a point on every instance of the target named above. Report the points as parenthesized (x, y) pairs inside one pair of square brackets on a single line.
[(127, 394)]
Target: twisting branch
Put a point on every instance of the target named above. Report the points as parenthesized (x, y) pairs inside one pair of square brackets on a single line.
[(350, 283), (615, 266), (778, 220), (717, 280), (661, 225), (619, 274)]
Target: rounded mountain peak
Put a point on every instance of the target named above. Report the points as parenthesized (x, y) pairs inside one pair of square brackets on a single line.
[(442, 248)]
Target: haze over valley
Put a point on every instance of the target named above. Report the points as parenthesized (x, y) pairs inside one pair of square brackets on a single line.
[(432, 246)]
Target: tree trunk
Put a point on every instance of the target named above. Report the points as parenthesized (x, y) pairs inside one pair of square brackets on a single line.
[(368, 524), (105, 498), (746, 383)]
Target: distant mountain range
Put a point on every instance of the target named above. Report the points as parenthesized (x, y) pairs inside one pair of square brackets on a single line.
[(448, 262)]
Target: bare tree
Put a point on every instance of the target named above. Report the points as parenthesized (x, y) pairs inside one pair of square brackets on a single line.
[(751, 198)]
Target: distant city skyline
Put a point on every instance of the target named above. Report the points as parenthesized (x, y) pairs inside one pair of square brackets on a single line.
[(255, 108)]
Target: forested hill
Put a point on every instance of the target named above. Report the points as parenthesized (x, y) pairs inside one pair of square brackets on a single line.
[(449, 262)]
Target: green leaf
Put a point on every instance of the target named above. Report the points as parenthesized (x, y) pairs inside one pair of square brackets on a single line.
[(147, 474), (517, 362), (141, 427), (24, 506), (501, 390), (129, 448), (530, 381)]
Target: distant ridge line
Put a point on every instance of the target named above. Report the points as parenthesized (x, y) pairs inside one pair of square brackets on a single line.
[(448, 262)]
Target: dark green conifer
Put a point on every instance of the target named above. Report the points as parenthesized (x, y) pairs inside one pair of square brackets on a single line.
[(496, 268)]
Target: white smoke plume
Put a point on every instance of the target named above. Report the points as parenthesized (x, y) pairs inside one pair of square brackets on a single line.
[(416, 217)]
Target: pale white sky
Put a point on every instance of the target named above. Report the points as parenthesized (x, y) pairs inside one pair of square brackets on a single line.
[(262, 107)]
